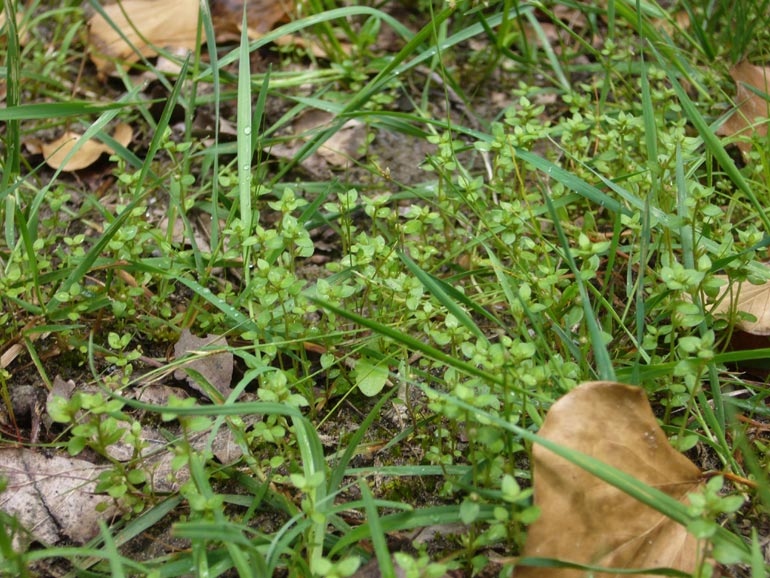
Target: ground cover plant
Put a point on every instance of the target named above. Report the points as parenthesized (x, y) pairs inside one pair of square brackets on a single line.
[(396, 289)]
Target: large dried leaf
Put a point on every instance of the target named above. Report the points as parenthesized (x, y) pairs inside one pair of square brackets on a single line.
[(146, 24), (53, 496), (156, 457), (588, 521), (171, 24), (22, 28), (89, 152), (752, 114)]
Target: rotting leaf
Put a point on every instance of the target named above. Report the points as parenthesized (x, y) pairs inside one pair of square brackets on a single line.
[(585, 520), (89, 152), (53, 497), (752, 114), (216, 368)]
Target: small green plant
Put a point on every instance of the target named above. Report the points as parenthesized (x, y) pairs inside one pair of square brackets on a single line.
[(709, 508), (100, 424), (540, 203)]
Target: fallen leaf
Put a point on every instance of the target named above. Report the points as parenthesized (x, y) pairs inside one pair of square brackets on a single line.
[(157, 458), (261, 17), (748, 298), (344, 146), (89, 152), (372, 569), (139, 28), (53, 497), (215, 367), (751, 117), (588, 521), (146, 26)]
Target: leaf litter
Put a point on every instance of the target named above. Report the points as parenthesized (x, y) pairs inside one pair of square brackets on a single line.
[(340, 151), (539, 461), (126, 31), (745, 297), (54, 497), (87, 153), (585, 520), (751, 99), (209, 358)]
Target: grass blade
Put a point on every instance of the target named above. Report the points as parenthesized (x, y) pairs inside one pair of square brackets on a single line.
[(244, 133), (376, 532), (603, 361), (434, 288), (417, 345)]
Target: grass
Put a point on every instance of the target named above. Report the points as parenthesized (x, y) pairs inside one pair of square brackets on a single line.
[(399, 338)]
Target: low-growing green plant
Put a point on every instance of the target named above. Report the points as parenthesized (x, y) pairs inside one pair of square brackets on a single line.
[(402, 342)]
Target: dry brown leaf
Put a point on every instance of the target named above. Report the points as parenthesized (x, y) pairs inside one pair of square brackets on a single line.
[(588, 521), (216, 368), (157, 455), (172, 24), (748, 298), (147, 24), (752, 114), (344, 146), (53, 497), (89, 152)]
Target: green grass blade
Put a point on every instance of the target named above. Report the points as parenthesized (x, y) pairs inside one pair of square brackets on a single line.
[(602, 356), (427, 517), (237, 558), (589, 570), (376, 532), (244, 132), (211, 49), (313, 465), (42, 111), (111, 551), (12, 160), (715, 417), (340, 469)]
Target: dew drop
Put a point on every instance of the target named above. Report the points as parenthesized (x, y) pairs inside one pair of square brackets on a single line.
[(247, 130)]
